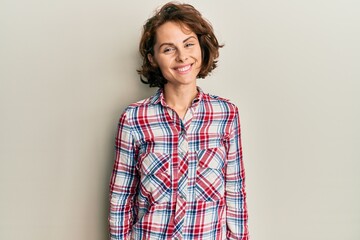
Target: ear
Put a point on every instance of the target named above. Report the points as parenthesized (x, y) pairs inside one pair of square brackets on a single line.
[(152, 60)]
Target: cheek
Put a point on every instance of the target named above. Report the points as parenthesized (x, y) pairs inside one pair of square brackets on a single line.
[(199, 54), (162, 66), (164, 63)]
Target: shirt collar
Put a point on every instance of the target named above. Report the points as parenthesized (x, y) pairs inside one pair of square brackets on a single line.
[(158, 97), (199, 97)]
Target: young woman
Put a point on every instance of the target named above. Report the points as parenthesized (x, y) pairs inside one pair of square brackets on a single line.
[(178, 170)]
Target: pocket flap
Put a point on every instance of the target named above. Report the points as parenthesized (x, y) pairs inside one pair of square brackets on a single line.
[(212, 158), (153, 163)]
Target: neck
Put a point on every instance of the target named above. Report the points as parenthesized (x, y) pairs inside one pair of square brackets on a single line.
[(179, 98)]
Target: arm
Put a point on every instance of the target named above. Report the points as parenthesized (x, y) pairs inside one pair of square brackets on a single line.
[(123, 183), (236, 211)]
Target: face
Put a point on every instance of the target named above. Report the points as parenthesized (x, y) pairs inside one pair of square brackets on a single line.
[(177, 53)]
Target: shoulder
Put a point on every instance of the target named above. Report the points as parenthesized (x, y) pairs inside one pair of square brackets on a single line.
[(140, 103), (220, 101), (135, 109), (146, 102)]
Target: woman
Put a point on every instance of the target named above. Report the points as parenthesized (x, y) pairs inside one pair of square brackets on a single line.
[(178, 170)]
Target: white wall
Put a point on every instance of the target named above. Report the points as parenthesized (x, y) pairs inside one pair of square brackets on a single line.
[(67, 71)]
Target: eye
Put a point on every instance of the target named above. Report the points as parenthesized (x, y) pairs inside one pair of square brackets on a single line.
[(168, 50), (187, 45)]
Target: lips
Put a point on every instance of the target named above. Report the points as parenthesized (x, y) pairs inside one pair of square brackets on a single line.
[(183, 69)]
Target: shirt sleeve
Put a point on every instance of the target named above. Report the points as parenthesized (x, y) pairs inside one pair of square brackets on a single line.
[(123, 183), (236, 210)]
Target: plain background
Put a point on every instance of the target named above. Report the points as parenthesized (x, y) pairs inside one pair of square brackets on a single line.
[(67, 72)]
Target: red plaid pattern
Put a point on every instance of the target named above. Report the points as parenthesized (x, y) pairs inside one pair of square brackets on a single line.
[(178, 178)]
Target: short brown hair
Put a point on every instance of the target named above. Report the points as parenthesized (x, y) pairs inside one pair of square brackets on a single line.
[(188, 16)]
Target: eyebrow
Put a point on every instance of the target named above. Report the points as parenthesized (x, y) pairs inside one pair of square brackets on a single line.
[(173, 44)]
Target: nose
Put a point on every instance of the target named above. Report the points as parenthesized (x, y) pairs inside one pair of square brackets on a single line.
[(181, 55)]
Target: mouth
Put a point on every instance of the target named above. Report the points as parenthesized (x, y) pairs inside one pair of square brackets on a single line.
[(183, 69)]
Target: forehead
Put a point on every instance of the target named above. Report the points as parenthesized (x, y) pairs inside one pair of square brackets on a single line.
[(173, 32)]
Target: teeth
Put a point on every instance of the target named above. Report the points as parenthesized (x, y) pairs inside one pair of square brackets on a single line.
[(183, 69)]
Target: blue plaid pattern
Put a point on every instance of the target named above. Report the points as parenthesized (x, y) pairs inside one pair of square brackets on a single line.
[(178, 178)]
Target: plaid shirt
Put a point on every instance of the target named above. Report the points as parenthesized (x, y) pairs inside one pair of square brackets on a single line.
[(178, 178)]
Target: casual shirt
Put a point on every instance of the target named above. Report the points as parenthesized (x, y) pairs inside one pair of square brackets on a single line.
[(178, 178)]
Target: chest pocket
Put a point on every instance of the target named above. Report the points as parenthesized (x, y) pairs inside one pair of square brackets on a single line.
[(155, 183), (210, 174)]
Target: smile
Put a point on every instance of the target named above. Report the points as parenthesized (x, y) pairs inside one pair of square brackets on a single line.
[(184, 69)]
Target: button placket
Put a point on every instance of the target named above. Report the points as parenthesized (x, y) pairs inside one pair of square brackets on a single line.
[(180, 209)]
